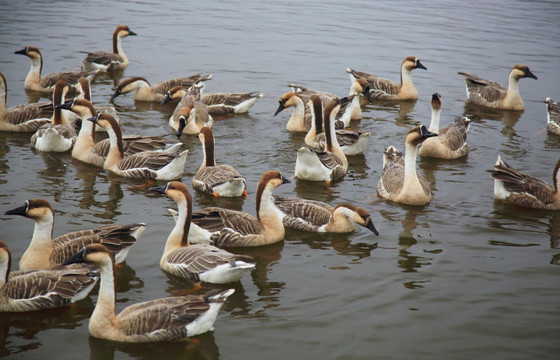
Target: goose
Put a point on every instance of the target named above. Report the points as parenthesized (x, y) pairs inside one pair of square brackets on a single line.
[(230, 228), (59, 135), (31, 290), (45, 84), (399, 180), (107, 61), (317, 216), (197, 262), (515, 187), (218, 103), (84, 89), (219, 180), (22, 118), (553, 116), (351, 142), (44, 252), (143, 165), (326, 165), (163, 319), (490, 94), (386, 90), (87, 150), (191, 114), (143, 91), (451, 142)]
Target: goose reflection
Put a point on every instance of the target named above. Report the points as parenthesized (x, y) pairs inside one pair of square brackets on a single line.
[(509, 118)]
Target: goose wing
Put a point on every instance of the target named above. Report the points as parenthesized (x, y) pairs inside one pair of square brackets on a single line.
[(303, 214), (21, 113), (210, 176), (215, 219), (162, 87), (133, 144), (49, 80), (455, 134), (103, 57), (379, 87), (145, 164), (482, 90)]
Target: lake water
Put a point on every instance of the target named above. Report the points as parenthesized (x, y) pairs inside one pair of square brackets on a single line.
[(464, 277)]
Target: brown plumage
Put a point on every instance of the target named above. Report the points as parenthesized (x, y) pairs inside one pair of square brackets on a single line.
[(553, 116), (110, 61), (157, 92)]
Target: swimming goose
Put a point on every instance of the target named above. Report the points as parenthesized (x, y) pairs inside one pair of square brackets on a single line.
[(351, 142), (218, 103), (30, 290), (231, 228), (328, 164), (143, 165), (44, 252), (387, 90), (515, 187), (552, 116), (59, 135), (191, 114), (107, 61), (87, 150), (158, 92), (491, 94), (198, 262), (34, 81), (219, 180), (164, 319), (451, 142), (84, 89), (22, 118), (400, 182), (317, 216)]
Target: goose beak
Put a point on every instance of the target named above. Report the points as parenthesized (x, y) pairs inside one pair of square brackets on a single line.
[(21, 52), (425, 133), (76, 258), (280, 108), (167, 99), (160, 189), (285, 181), (420, 66), (367, 93), (528, 73), (66, 106), (116, 93), (22, 210), (182, 125), (131, 33), (371, 227), (94, 119)]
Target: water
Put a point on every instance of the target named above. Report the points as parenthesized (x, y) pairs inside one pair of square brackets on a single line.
[(465, 277)]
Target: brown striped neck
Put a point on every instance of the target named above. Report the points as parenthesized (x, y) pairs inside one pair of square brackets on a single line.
[(317, 113), (329, 128), (556, 174), (58, 99), (187, 225), (116, 131), (3, 93), (269, 181), (86, 91), (208, 144), (116, 40)]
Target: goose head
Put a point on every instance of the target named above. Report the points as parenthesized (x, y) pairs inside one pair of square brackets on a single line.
[(418, 134), (522, 71), (411, 63), (82, 107), (35, 209), (287, 100), (128, 85), (176, 93), (175, 190), (436, 101), (360, 216), (361, 86), (31, 52), (96, 254), (123, 31)]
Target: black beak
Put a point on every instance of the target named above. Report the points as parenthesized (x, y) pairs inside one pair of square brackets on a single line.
[(528, 73), (94, 119), (367, 93), (420, 66), (182, 125), (280, 108), (167, 99), (371, 227), (116, 93), (22, 210), (285, 181), (424, 133), (160, 189), (76, 258), (66, 106), (131, 33), (21, 52)]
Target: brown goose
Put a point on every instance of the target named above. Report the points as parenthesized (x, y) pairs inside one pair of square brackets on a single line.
[(553, 116), (30, 290), (197, 262), (44, 252), (191, 114), (143, 91), (109, 61), (164, 319), (493, 95), (230, 228), (387, 90)]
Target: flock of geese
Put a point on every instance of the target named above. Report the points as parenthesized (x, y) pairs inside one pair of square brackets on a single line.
[(56, 272)]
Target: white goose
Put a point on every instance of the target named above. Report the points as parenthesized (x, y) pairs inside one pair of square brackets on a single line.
[(552, 116), (399, 180), (326, 165), (109, 61), (143, 165), (198, 262), (22, 118), (191, 114), (44, 252), (164, 319), (143, 91), (231, 228), (387, 90), (317, 216), (493, 95), (31, 290), (59, 135), (45, 84), (218, 180), (451, 142)]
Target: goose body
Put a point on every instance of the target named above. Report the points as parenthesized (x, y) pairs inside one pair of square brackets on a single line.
[(31, 290), (164, 319), (219, 180), (198, 262), (22, 118), (491, 94), (109, 61), (87, 150), (326, 165), (399, 180), (84, 90), (317, 216), (515, 187), (143, 91), (45, 83), (553, 116), (191, 114), (386, 90), (44, 252), (230, 228), (451, 142), (143, 165), (57, 136)]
